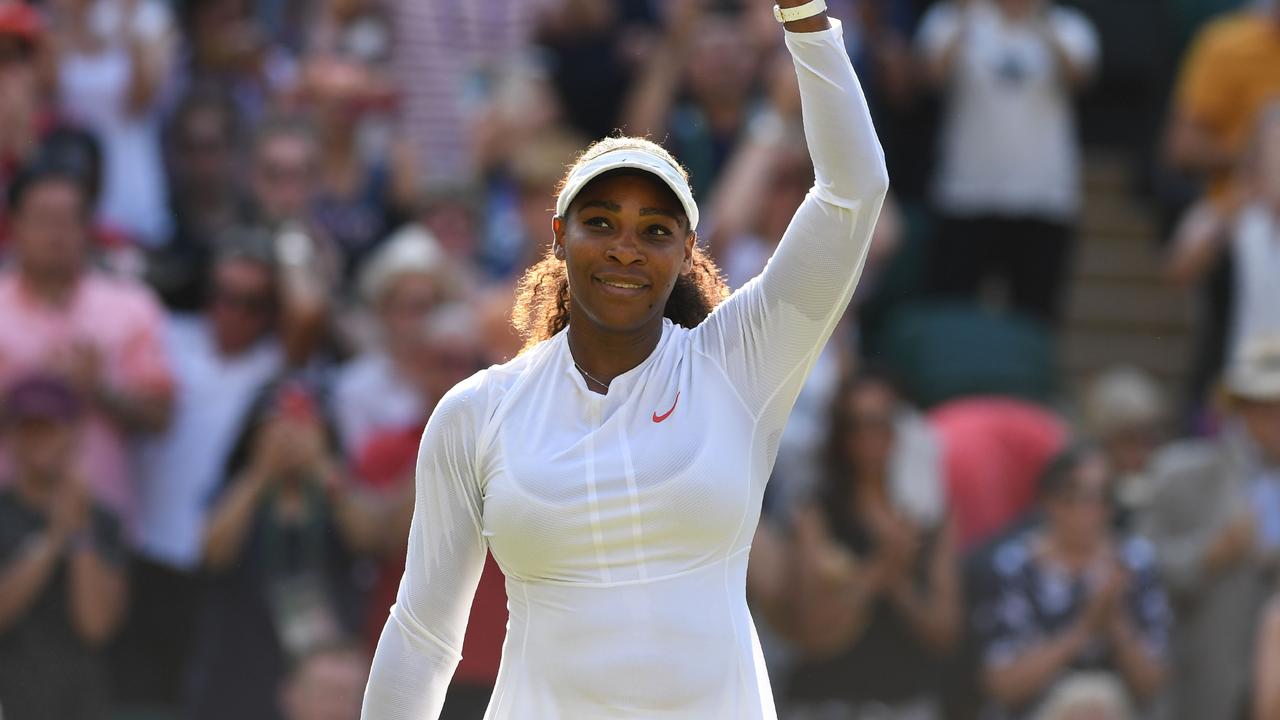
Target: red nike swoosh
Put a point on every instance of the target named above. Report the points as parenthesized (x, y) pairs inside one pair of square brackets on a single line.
[(659, 418)]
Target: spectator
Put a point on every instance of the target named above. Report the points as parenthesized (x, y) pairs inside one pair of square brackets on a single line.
[(204, 194), (876, 604), (114, 60), (385, 387), (1071, 596), (23, 115), (1125, 412), (222, 358), (326, 684), (357, 195), (278, 549), (62, 581), (104, 335), (1214, 518), (1230, 73), (1007, 187), (283, 185), (1248, 234), (709, 55), (230, 51)]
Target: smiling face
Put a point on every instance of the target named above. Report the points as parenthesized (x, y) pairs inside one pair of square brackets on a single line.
[(1078, 512), (625, 240)]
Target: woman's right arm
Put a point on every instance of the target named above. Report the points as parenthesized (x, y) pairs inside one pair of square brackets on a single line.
[(422, 641), (1198, 242)]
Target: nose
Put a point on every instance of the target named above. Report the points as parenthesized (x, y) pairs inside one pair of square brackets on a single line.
[(625, 249)]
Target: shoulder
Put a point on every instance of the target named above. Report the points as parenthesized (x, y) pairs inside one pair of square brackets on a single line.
[(1138, 554), (1226, 34), (1013, 557), (128, 297), (1185, 460), (358, 374)]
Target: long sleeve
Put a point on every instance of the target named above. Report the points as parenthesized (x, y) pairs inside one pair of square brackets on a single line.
[(421, 644), (768, 334)]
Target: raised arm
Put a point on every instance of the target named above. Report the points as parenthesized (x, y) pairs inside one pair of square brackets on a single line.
[(766, 336), (422, 641)]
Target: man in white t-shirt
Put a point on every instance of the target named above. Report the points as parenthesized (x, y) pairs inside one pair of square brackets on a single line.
[(221, 360), (1007, 185)]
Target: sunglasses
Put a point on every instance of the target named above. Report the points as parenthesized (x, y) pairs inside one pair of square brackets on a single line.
[(249, 302)]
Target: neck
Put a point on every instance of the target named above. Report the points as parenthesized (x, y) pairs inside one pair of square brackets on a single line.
[(869, 498), (604, 354), (51, 288), (1074, 555)]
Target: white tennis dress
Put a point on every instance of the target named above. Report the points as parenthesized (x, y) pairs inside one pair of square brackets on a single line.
[(623, 521)]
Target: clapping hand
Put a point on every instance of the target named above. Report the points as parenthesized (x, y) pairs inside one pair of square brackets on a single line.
[(1104, 611)]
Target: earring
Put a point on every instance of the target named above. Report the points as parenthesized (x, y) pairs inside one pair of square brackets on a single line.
[(558, 250)]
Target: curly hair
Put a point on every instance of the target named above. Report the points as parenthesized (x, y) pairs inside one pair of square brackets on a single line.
[(542, 296)]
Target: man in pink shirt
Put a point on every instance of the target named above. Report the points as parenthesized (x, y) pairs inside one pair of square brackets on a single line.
[(103, 334)]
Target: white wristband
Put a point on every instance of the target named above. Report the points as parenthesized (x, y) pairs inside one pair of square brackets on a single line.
[(807, 10)]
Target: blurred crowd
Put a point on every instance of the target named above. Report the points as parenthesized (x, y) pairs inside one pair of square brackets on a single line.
[(247, 246)]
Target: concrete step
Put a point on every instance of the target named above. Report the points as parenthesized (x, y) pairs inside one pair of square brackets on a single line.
[(1114, 259), (1124, 305), (1113, 214), (1166, 355)]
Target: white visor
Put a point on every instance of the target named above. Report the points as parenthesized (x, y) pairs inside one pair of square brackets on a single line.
[(636, 159)]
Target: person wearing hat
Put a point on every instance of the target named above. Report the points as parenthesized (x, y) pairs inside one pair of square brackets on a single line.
[(1125, 411), (382, 387), (62, 583), (615, 468), (1214, 517)]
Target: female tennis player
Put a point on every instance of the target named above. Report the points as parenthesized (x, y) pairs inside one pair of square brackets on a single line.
[(616, 467)]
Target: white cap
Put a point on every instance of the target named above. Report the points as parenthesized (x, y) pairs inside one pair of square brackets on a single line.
[(1254, 372), (410, 249), (636, 159), (1120, 398)]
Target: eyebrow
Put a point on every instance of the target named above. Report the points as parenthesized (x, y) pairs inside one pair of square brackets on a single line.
[(615, 207)]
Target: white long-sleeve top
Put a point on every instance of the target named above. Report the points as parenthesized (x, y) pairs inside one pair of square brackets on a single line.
[(623, 521)]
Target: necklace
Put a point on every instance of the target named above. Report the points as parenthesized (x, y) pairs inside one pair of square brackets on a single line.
[(590, 377)]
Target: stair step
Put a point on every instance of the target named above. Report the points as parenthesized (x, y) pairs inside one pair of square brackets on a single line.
[(1154, 306), (1166, 355), (1106, 214), (1103, 259)]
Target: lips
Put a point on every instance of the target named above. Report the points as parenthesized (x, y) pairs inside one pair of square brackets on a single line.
[(621, 284)]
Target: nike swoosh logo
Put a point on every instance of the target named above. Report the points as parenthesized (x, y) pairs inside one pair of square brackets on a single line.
[(659, 418)]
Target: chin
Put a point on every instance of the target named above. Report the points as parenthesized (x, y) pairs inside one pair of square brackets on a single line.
[(622, 320)]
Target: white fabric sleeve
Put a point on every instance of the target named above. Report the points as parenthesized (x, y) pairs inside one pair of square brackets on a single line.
[(768, 334), (422, 642)]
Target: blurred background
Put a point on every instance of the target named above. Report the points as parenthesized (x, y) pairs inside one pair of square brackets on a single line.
[(247, 245)]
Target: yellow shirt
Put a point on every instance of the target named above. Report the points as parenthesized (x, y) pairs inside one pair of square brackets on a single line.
[(1229, 76)]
